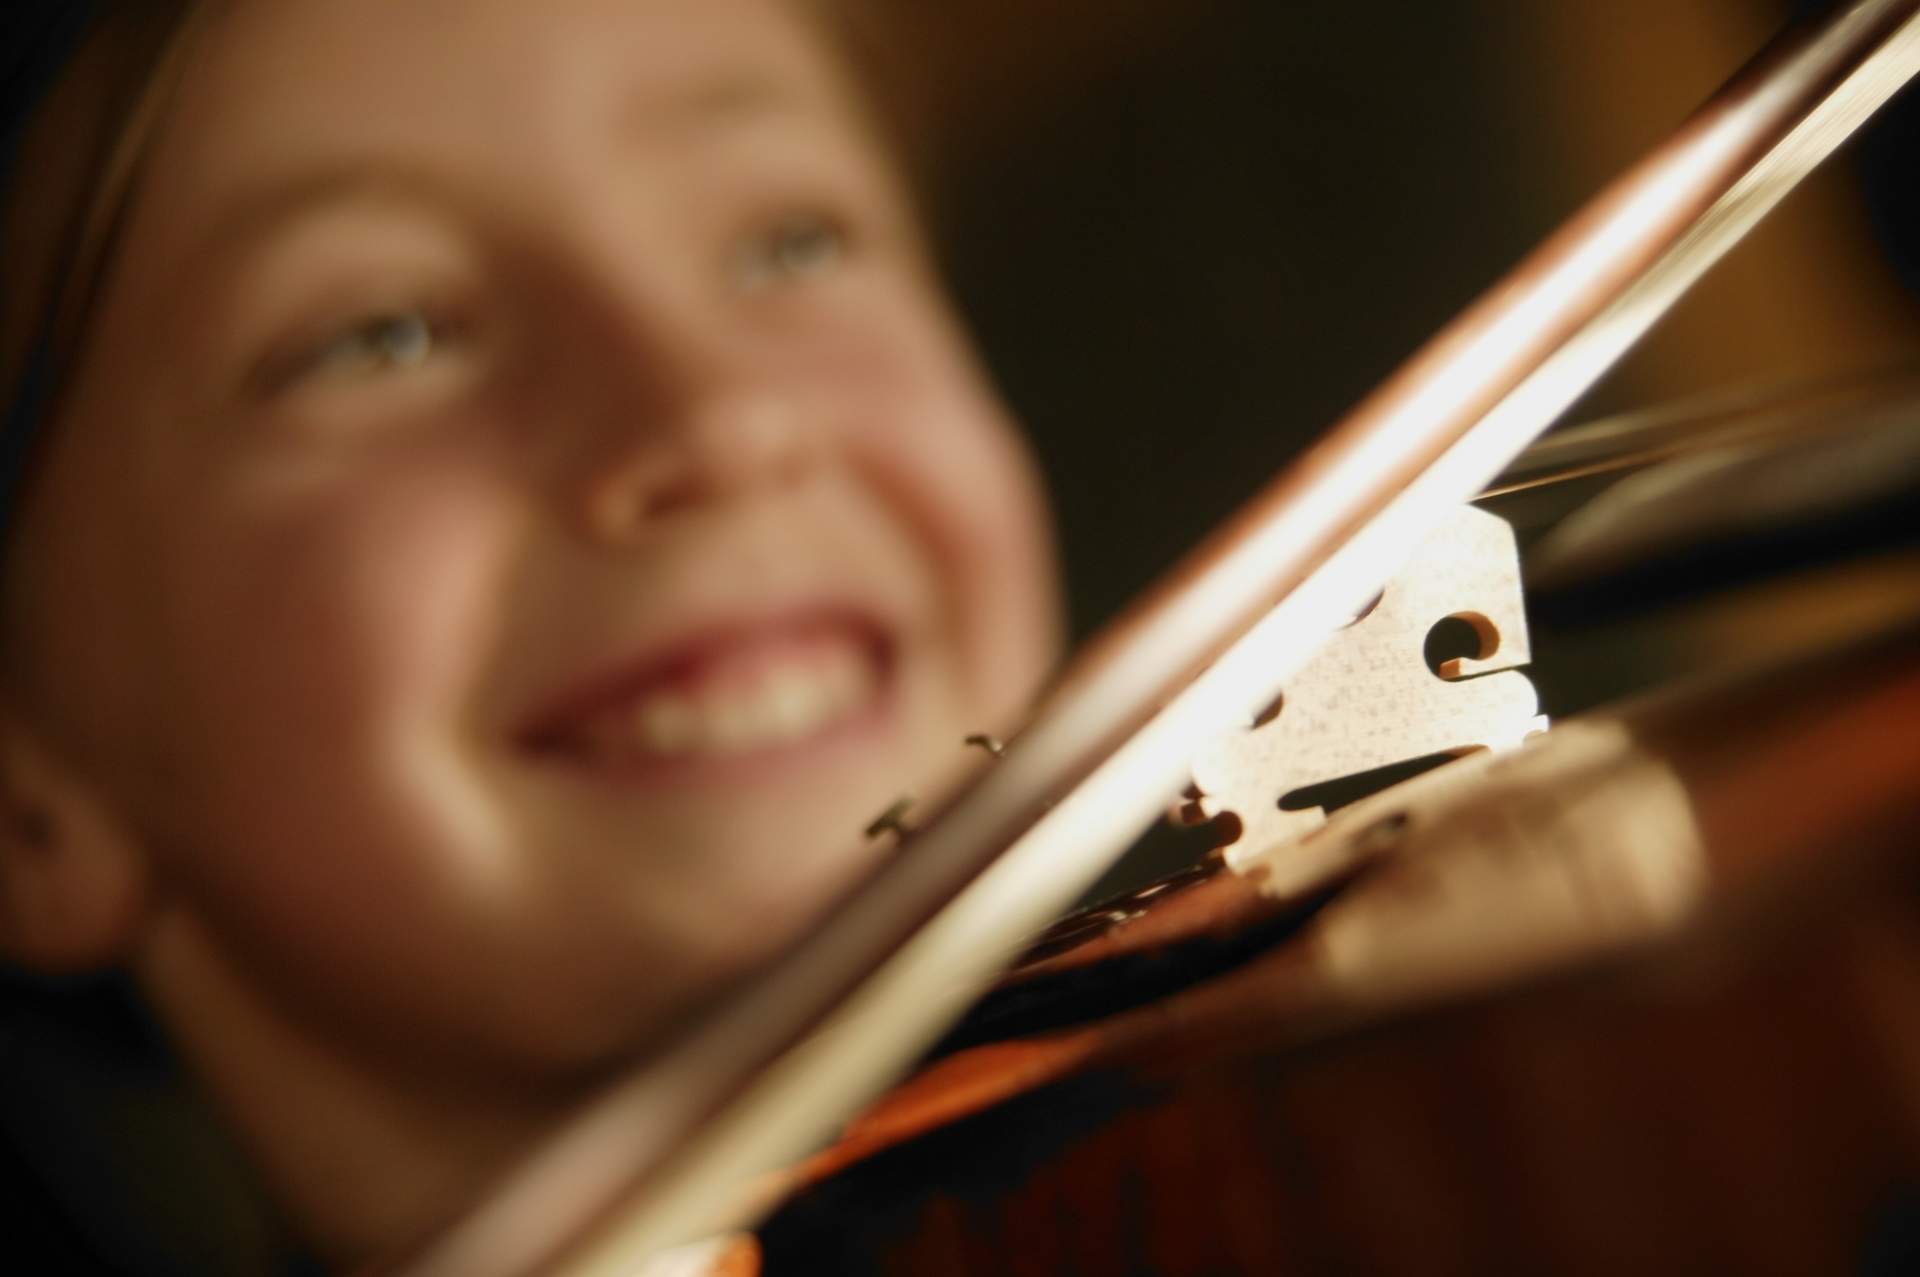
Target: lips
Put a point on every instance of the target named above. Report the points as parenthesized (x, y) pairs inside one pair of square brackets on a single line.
[(736, 692)]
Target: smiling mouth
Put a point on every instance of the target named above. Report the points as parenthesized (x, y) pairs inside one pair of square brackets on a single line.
[(760, 691)]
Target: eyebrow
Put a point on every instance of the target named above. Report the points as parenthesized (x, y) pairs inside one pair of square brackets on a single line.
[(262, 211), (714, 101), (725, 98), (258, 215)]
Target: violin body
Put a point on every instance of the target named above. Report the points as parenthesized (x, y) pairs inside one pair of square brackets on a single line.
[(1757, 1117), (1738, 1091)]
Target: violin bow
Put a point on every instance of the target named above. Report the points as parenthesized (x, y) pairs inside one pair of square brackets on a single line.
[(673, 1154)]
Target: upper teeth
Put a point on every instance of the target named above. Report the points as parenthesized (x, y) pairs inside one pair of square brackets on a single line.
[(784, 701)]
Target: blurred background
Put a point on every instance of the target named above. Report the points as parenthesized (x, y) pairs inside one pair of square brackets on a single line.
[(1190, 233)]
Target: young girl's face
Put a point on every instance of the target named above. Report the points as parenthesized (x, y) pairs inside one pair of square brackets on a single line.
[(522, 510)]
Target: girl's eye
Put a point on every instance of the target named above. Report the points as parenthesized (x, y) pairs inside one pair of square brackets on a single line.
[(799, 246), (393, 342)]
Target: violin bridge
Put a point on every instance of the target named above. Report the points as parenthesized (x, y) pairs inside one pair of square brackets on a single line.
[(1370, 699)]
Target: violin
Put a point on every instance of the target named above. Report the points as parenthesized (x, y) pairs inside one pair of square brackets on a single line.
[(1345, 1045), (1527, 1033)]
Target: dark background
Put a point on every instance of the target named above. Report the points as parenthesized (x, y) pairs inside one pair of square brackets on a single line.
[(1189, 235)]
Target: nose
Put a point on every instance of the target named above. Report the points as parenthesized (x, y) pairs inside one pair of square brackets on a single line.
[(719, 442)]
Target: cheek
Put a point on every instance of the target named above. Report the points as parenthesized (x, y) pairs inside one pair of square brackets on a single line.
[(324, 633), (956, 472)]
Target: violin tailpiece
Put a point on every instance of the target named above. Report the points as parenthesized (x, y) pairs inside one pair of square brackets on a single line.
[(1370, 700)]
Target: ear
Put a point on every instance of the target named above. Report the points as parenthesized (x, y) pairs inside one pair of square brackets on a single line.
[(73, 886)]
